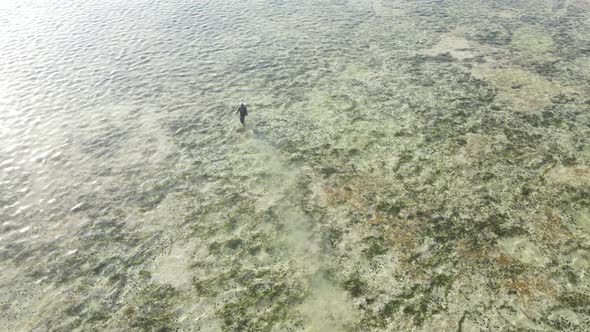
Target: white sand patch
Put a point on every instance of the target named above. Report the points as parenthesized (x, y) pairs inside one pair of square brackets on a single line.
[(458, 47), (173, 268), (582, 220), (328, 308), (524, 250), (385, 8), (526, 91), (532, 40)]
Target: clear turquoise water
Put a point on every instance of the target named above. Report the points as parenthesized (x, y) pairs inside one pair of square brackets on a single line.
[(418, 165)]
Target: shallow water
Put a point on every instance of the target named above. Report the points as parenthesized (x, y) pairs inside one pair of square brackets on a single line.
[(406, 165)]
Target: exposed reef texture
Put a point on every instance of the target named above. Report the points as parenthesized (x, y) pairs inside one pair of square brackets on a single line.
[(406, 166)]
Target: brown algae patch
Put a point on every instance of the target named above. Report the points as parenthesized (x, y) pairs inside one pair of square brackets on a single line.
[(477, 146), (530, 285), (551, 228), (569, 176)]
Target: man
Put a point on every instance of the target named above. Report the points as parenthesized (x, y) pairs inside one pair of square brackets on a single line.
[(243, 112)]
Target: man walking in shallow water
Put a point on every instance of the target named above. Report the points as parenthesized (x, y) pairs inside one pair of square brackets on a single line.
[(243, 112)]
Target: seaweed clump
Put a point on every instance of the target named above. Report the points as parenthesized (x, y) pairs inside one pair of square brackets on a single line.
[(155, 309)]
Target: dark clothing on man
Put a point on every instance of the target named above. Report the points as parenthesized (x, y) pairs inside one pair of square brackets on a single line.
[(243, 112)]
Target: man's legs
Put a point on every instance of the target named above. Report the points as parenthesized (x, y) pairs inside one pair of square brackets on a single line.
[(242, 119)]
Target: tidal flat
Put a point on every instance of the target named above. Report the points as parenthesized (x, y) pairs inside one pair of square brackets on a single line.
[(405, 166)]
